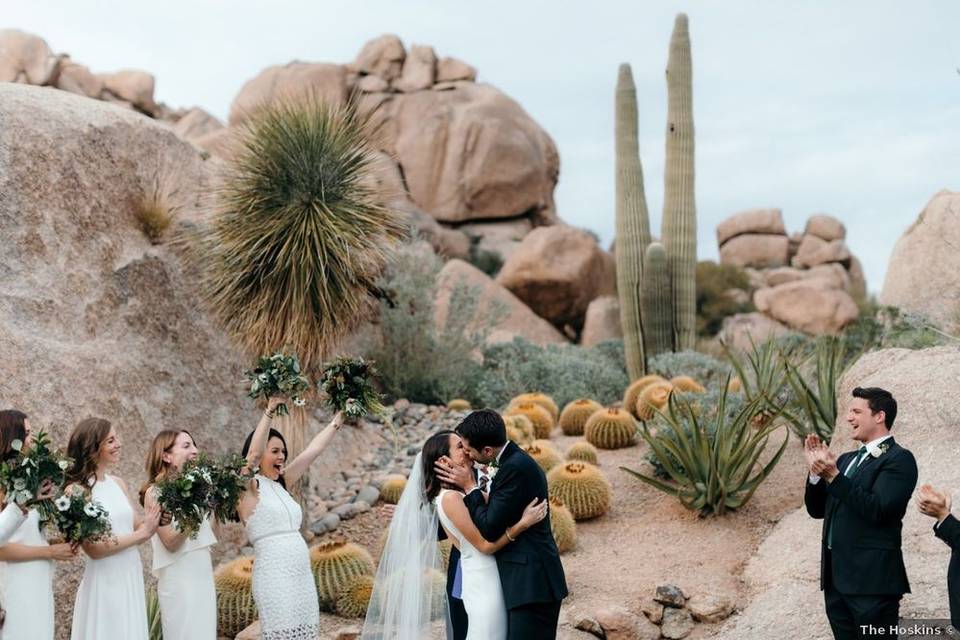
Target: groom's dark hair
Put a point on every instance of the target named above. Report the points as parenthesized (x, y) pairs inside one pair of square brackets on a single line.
[(483, 428), (879, 400)]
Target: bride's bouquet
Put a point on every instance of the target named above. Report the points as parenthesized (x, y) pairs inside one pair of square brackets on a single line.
[(22, 475), (202, 488), (78, 518), (348, 384), (278, 375)]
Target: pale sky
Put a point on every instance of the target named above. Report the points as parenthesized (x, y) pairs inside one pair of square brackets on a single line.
[(851, 108)]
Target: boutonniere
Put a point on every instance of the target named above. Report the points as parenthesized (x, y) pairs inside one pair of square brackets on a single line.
[(876, 452), (492, 472)]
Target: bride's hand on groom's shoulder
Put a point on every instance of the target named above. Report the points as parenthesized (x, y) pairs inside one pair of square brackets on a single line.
[(460, 476)]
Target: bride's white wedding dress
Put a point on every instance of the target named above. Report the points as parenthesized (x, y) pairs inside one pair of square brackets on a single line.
[(283, 585), (482, 593)]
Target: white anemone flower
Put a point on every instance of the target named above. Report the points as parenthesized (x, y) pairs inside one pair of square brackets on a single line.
[(62, 503), (91, 510)]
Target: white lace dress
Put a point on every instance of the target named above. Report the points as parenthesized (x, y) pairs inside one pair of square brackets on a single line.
[(26, 588), (283, 585), (482, 592), (111, 602)]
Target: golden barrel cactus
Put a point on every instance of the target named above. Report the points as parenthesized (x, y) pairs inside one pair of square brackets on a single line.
[(334, 564), (611, 429), (582, 451), (542, 420), (236, 609), (563, 526), (574, 415), (686, 383), (353, 599), (582, 488), (392, 489), (544, 453), (541, 399), (459, 404), (519, 429), (735, 385), (636, 387), (655, 396)]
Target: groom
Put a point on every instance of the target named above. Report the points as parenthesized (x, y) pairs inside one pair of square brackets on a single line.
[(862, 497), (530, 571)]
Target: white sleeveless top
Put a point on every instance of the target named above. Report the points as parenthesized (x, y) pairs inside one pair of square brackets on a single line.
[(163, 557)]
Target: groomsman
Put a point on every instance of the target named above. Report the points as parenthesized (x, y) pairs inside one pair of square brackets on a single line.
[(947, 528), (862, 497)]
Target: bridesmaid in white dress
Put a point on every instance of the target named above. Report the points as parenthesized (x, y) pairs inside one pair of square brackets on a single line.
[(182, 565), (283, 584), (110, 602), (26, 561)]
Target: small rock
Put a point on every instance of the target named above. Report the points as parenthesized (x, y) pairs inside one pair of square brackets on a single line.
[(318, 527), (331, 521), (652, 609), (360, 507), (710, 608), (590, 625), (619, 624), (344, 511), (677, 624), (349, 633), (670, 595), (369, 494)]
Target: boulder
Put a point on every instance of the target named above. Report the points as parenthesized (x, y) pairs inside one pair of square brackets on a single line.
[(135, 87), (501, 238), (858, 280), (755, 250), (195, 124), (293, 80), (677, 624), (602, 321), (825, 227), (78, 79), (738, 330), (25, 58), (620, 624), (452, 69), (557, 271), (447, 243), (922, 272), (468, 153), (753, 221), (813, 251), (710, 607), (783, 575), (782, 275), (382, 57), (372, 84), (419, 69), (811, 305), (519, 320)]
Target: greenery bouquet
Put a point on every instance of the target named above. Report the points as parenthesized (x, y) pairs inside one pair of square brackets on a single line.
[(202, 488), (348, 383), (22, 475), (78, 518), (278, 375)]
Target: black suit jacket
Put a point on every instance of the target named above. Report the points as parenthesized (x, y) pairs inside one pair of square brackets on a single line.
[(866, 512), (530, 568), (949, 532)]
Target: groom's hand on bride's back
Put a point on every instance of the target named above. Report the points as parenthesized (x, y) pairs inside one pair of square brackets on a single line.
[(455, 474)]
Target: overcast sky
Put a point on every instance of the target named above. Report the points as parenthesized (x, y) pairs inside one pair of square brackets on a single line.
[(849, 108)]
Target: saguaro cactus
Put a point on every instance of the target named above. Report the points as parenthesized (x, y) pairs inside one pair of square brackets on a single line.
[(632, 221), (679, 230), (656, 302)]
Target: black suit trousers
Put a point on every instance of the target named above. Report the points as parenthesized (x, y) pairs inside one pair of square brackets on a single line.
[(853, 616), (537, 621)]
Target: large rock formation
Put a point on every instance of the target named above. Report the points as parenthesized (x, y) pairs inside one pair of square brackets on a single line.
[(922, 273), (784, 573)]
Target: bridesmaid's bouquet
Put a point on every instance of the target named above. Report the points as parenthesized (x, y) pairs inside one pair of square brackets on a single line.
[(203, 488), (22, 475), (348, 384), (278, 375), (78, 518)]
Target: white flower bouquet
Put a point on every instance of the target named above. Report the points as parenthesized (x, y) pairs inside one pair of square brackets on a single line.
[(78, 518), (22, 474), (278, 375)]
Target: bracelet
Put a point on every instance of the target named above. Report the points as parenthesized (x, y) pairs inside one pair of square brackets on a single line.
[(509, 537)]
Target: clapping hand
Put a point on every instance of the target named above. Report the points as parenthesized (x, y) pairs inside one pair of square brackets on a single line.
[(820, 460), (933, 503)]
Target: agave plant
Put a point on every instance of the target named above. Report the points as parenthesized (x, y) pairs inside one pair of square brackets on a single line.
[(817, 403), (763, 376), (713, 466), (300, 235)]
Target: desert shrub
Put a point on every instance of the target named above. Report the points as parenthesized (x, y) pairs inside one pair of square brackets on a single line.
[(158, 207), (705, 369), (563, 371), (713, 302), (418, 360), (887, 327)]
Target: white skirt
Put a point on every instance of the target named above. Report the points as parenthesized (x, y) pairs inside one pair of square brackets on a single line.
[(188, 599), (111, 603), (26, 592)]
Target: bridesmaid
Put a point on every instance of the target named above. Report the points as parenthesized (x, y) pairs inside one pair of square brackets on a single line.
[(283, 584), (182, 565), (26, 561), (110, 602)]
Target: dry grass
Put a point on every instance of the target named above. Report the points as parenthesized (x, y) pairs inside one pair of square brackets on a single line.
[(159, 207)]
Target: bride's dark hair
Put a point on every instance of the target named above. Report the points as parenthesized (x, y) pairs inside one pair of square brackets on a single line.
[(436, 446)]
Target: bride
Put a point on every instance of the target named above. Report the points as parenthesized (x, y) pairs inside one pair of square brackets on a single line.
[(409, 597)]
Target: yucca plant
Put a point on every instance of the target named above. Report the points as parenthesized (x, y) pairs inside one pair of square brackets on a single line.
[(154, 623), (763, 377), (817, 403), (713, 466), (300, 234)]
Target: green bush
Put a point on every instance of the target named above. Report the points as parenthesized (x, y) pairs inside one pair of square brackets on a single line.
[(886, 327), (418, 360), (713, 303), (705, 369), (565, 372)]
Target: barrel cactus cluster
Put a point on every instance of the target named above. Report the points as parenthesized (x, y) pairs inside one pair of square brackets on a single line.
[(354, 597), (544, 453), (539, 416), (392, 489), (582, 488), (334, 565), (611, 429), (519, 429), (574, 416), (236, 609), (563, 526), (582, 451)]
